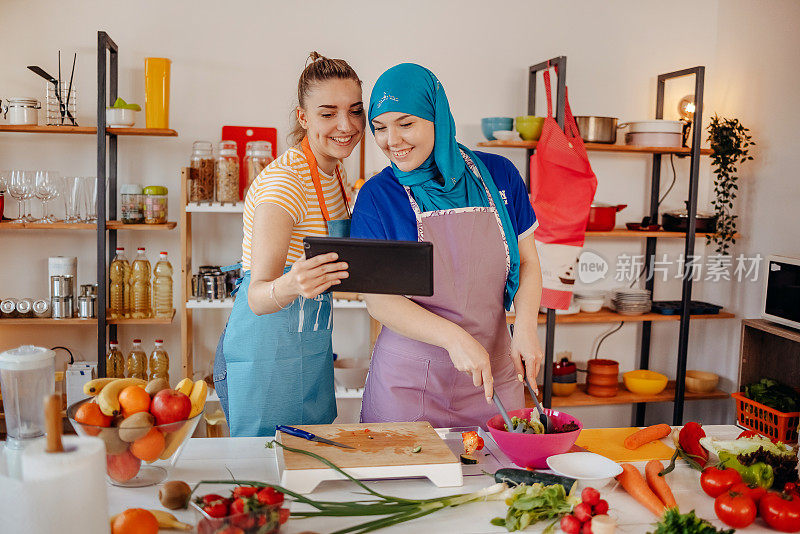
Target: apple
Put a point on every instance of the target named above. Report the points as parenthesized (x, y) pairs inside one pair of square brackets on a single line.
[(122, 467), (170, 406)]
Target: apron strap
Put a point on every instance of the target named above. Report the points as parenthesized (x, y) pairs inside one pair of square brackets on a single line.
[(312, 164)]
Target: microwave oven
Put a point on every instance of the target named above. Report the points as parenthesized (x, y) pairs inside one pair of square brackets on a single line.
[(781, 302)]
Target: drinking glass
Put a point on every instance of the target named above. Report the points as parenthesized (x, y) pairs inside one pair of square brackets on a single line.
[(19, 186), (3, 188), (73, 198), (90, 198), (46, 190)]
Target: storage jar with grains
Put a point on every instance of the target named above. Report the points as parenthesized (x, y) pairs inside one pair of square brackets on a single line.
[(258, 155), (201, 173), (131, 203), (227, 172), (155, 204)]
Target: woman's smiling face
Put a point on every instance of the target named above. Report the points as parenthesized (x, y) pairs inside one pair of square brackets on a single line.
[(407, 140)]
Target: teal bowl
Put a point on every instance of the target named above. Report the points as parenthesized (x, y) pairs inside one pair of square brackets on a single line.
[(530, 127), (490, 124)]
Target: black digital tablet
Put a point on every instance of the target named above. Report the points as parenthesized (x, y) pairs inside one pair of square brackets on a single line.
[(379, 266)]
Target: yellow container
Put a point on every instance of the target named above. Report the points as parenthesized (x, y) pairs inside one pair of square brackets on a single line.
[(645, 382), (156, 92)]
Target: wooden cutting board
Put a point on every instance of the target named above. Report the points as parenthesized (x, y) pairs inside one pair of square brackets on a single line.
[(609, 442), (381, 450)]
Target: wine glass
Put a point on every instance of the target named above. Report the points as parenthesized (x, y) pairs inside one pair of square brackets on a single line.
[(46, 190), (19, 186), (3, 187), (29, 187)]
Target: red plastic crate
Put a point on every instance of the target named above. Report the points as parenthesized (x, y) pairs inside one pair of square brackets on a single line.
[(768, 421)]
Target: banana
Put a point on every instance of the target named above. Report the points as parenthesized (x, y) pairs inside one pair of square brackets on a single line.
[(165, 520), (93, 387), (173, 440), (198, 397), (108, 399), (185, 386)]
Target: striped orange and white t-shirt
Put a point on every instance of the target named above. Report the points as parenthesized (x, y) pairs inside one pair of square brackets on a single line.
[(287, 182)]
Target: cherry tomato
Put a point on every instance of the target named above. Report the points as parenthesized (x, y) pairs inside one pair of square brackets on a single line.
[(601, 508), (590, 496), (781, 511), (583, 512), (570, 524), (716, 481), (244, 491), (754, 492), (269, 496), (216, 509), (284, 517), (735, 509)]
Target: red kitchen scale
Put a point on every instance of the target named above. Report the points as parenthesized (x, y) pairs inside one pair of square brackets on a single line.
[(243, 135)]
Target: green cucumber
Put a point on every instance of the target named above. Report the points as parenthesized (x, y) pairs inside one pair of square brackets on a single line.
[(468, 460), (514, 477)]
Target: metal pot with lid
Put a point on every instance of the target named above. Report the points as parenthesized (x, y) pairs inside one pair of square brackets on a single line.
[(678, 221)]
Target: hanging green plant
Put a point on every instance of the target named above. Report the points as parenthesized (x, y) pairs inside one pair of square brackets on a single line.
[(730, 141)]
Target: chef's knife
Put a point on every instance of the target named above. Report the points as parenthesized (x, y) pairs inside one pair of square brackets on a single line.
[(292, 431)]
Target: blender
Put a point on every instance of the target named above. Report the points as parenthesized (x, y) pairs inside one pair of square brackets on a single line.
[(27, 376)]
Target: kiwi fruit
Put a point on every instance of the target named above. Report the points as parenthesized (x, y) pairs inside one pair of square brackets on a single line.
[(135, 426), (114, 445), (156, 385), (174, 494)]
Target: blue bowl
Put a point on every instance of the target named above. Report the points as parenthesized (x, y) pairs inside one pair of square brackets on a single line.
[(491, 124)]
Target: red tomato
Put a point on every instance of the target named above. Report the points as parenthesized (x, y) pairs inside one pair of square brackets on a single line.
[(600, 508), (284, 517), (244, 491), (735, 509), (586, 528), (754, 492), (583, 512), (570, 524), (269, 496), (216, 509), (590, 496), (716, 481), (781, 511)]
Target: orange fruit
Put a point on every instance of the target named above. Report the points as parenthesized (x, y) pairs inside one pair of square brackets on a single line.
[(89, 414), (150, 446), (134, 399), (135, 521)]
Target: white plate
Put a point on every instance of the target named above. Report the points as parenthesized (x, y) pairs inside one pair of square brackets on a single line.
[(584, 466), (506, 135)]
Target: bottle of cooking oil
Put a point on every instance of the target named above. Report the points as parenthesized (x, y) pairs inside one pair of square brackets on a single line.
[(115, 362), (140, 286), (162, 287), (119, 274), (137, 361), (159, 361)]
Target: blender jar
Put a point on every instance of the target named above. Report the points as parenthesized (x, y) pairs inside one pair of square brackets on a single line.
[(27, 376)]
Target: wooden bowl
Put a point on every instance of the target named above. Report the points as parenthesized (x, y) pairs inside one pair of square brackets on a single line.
[(602, 391), (701, 381)]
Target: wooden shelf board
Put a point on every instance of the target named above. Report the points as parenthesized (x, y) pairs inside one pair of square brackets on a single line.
[(89, 130), (215, 207), (599, 147), (607, 315), (149, 320), (624, 233), (47, 321), (110, 225), (581, 398)]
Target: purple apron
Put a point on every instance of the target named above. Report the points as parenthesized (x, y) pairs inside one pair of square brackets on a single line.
[(410, 380)]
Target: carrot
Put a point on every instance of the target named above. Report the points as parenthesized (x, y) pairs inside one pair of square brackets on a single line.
[(634, 483), (659, 484), (646, 435)]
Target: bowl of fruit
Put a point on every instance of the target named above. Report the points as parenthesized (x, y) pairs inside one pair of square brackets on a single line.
[(140, 423), (246, 510)]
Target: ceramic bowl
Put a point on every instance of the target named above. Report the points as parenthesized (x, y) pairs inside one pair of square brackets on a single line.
[(701, 381), (532, 450), (588, 468), (490, 124), (590, 305), (350, 373), (120, 118), (506, 135), (530, 127), (644, 381)]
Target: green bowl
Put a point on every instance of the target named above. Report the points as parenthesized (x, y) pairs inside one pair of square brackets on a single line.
[(529, 127)]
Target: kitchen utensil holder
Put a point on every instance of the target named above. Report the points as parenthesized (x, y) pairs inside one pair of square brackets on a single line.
[(55, 110)]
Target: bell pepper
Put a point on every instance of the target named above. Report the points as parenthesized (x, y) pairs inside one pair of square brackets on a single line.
[(757, 474), (472, 442), (689, 442)]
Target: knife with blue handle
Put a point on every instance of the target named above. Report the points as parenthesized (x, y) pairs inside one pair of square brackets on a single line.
[(292, 431)]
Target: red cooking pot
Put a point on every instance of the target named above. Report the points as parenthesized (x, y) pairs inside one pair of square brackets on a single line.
[(602, 217)]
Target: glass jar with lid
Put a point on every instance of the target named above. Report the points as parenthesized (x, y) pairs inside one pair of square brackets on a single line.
[(155, 204), (22, 110), (227, 172), (201, 173), (257, 155), (131, 203)]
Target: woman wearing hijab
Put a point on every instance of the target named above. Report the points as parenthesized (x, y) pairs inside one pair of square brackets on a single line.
[(434, 353)]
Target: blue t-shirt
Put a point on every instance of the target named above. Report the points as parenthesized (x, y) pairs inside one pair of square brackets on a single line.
[(382, 210)]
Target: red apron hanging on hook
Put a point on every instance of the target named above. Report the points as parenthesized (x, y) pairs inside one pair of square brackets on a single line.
[(562, 189)]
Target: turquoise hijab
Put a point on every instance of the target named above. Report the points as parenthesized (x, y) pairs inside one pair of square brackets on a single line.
[(444, 180)]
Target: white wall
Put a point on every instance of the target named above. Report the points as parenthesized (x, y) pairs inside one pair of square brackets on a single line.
[(238, 62)]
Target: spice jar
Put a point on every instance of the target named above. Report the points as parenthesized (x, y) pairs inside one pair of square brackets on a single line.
[(132, 203), (155, 204), (201, 173), (227, 172), (258, 154)]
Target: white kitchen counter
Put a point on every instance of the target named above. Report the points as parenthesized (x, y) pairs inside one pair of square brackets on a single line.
[(248, 459)]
